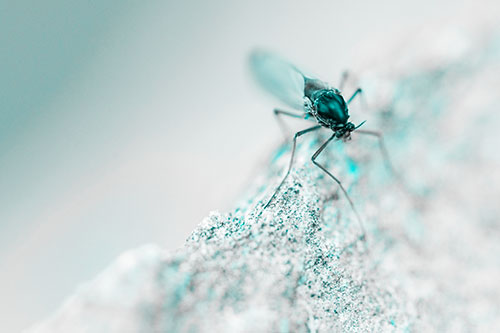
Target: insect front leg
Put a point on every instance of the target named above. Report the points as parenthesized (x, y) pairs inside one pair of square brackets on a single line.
[(385, 156), (314, 128), (382, 147), (313, 158)]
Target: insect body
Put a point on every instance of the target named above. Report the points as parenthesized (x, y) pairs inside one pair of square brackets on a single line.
[(328, 107), (315, 99)]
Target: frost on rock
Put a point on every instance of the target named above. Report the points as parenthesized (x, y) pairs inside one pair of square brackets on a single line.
[(431, 258)]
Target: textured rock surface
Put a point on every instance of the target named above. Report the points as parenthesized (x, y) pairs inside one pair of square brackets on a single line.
[(431, 260)]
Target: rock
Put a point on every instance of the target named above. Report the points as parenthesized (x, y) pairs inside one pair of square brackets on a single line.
[(430, 260)]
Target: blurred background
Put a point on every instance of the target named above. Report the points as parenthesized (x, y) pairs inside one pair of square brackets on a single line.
[(126, 122)]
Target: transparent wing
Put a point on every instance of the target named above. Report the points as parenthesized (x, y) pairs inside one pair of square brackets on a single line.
[(279, 77)]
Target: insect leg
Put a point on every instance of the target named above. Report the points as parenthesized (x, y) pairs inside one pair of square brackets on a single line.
[(358, 91), (313, 158), (388, 163), (343, 79), (278, 113), (314, 128), (383, 149)]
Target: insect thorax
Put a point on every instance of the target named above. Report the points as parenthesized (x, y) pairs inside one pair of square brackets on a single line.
[(328, 107)]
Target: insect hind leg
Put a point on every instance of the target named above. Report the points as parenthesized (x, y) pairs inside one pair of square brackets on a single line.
[(358, 91), (343, 79), (278, 113)]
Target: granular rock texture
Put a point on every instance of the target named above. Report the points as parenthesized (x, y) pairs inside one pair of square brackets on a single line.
[(430, 261)]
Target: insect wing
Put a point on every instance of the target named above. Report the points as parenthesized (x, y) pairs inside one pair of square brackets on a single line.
[(279, 77)]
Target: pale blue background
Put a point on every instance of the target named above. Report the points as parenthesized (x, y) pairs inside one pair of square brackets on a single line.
[(126, 122)]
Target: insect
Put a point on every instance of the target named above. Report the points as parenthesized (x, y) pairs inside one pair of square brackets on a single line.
[(317, 101)]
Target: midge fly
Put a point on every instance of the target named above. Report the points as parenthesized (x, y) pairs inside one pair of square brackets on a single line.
[(317, 101)]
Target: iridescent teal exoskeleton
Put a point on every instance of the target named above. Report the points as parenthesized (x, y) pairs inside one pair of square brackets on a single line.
[(317, 100)]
